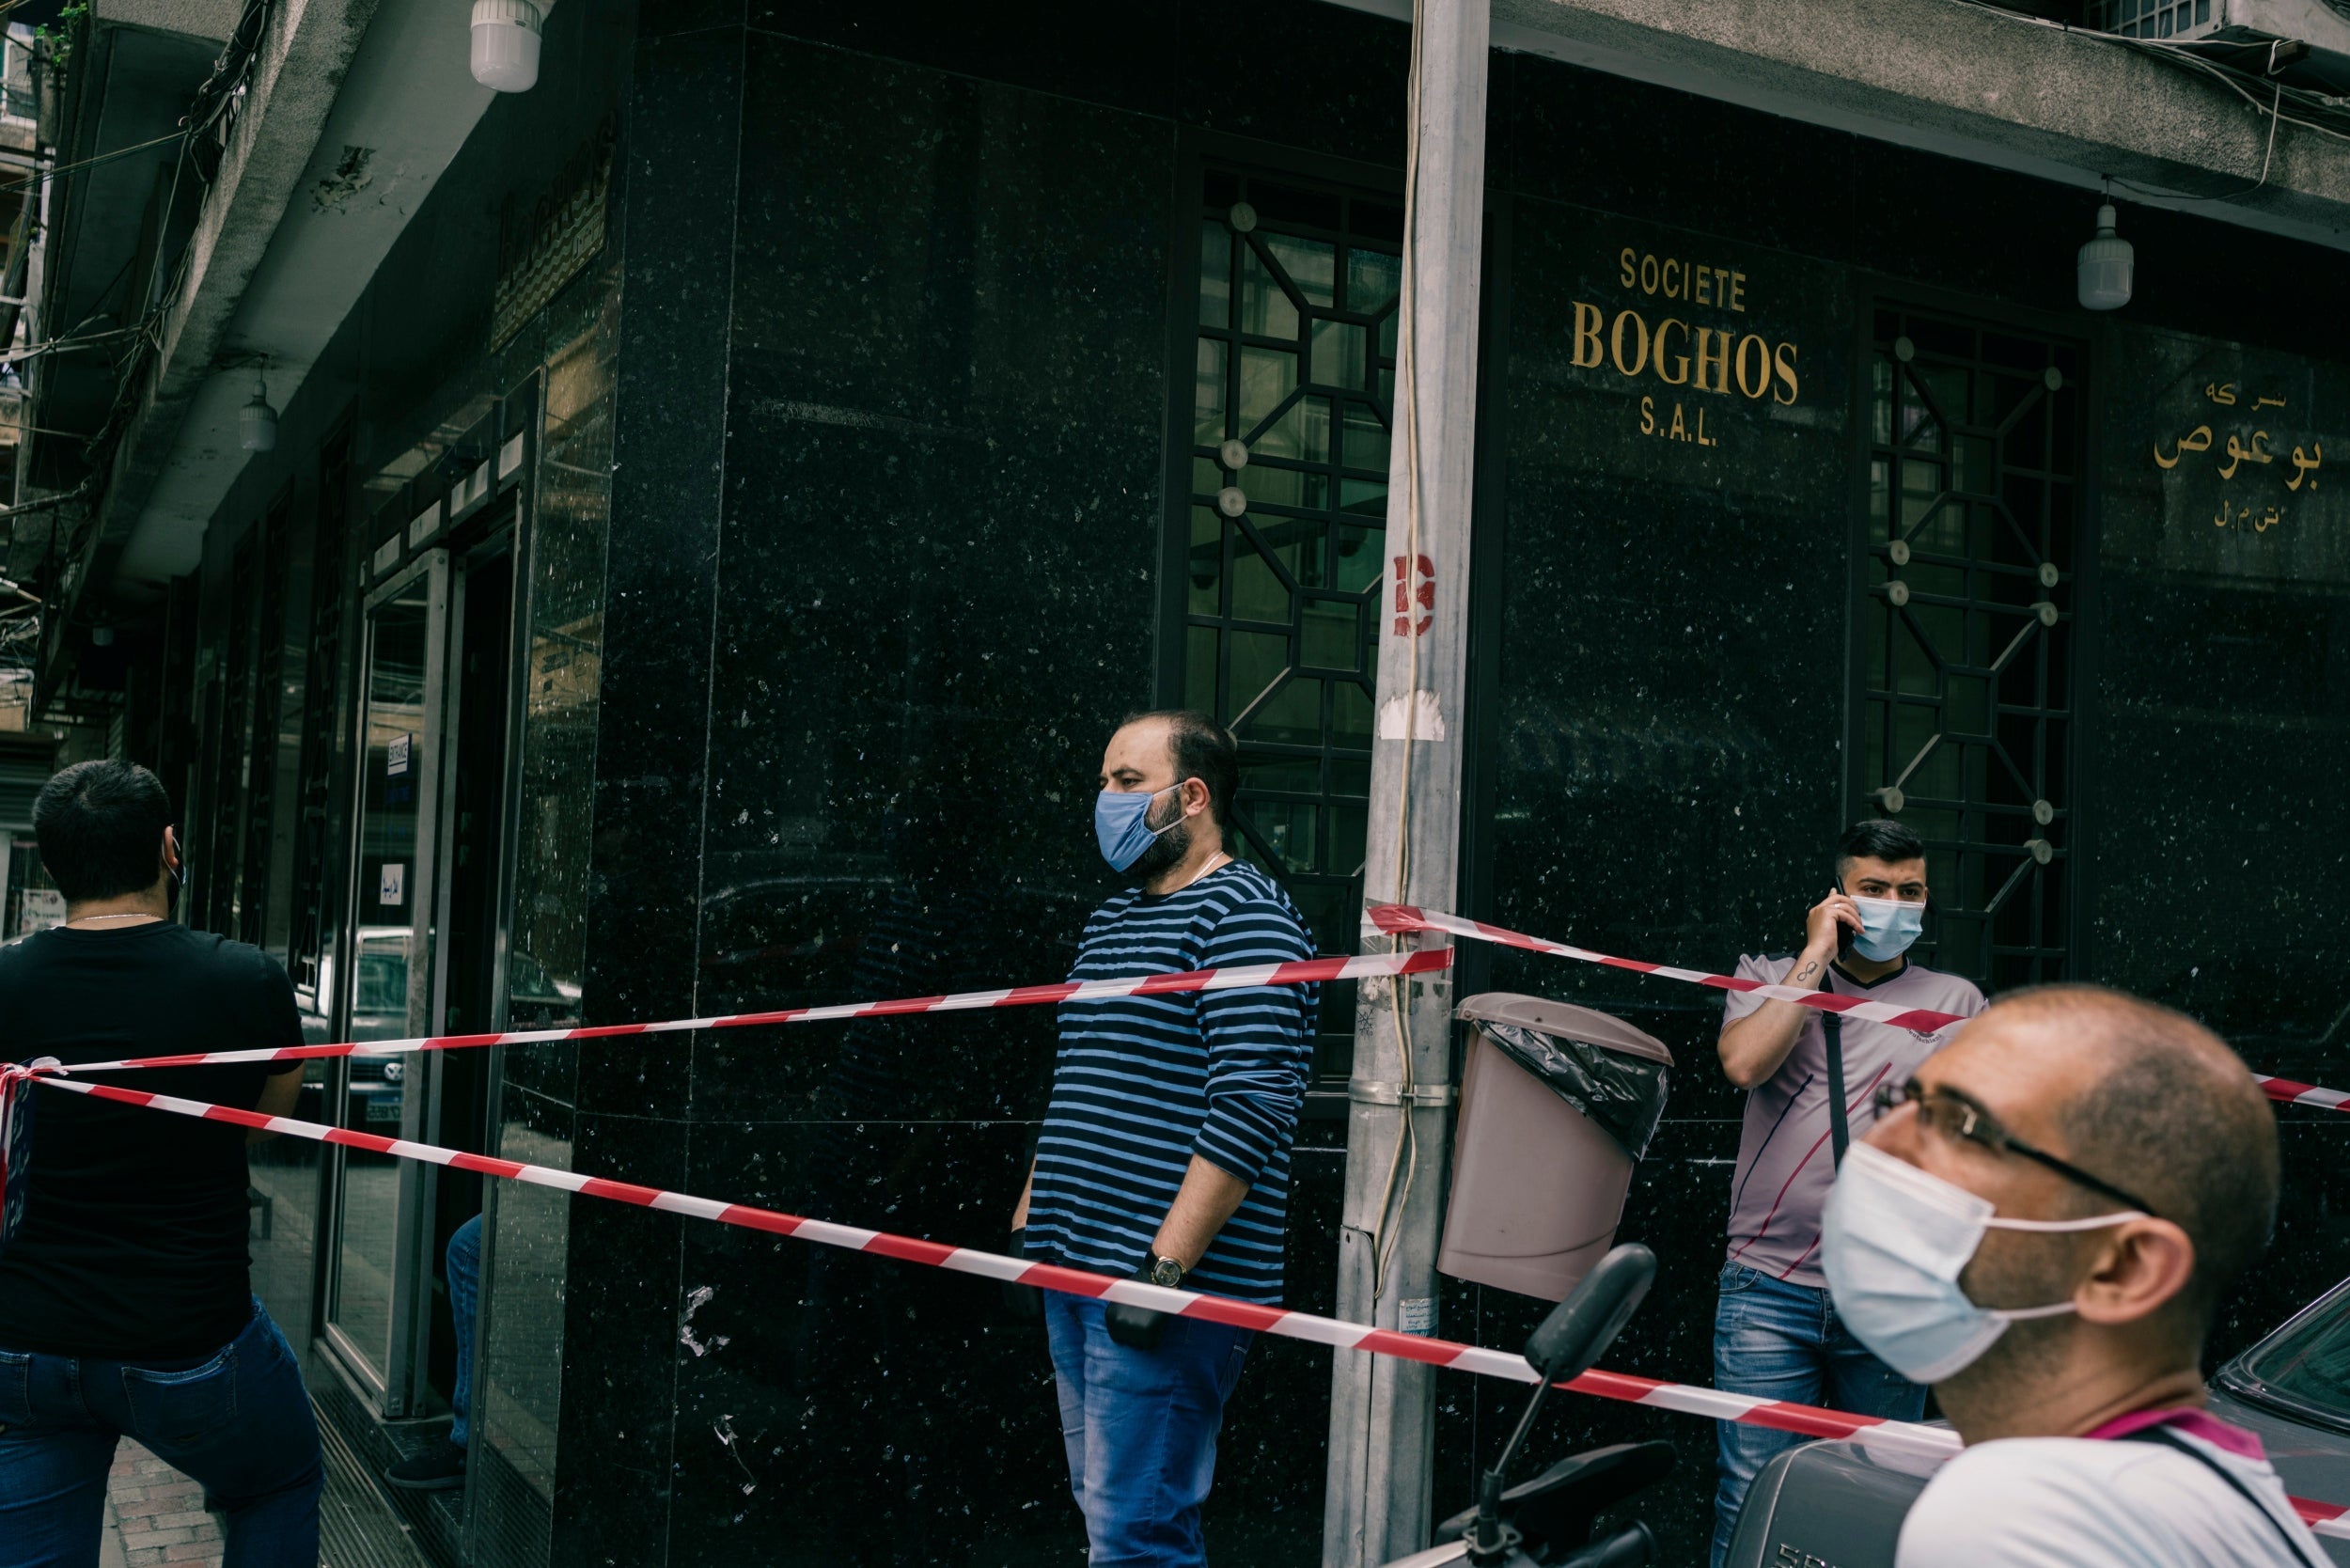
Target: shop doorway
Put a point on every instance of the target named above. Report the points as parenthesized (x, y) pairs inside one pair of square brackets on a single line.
[(426, 954)]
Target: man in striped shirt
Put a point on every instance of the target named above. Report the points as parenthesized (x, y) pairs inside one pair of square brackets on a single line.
[(1166, 1149)]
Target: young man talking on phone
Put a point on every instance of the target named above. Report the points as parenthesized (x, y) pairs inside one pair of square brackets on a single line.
[(1776, 1333)]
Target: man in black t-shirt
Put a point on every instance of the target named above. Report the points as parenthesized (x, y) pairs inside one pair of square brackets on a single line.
[(125, 1307)]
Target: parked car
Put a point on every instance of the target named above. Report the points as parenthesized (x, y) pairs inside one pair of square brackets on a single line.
[(1843, 1502), (378, 1011)]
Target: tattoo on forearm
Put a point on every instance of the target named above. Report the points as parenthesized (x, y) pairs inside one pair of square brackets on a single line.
[(1803, 976)]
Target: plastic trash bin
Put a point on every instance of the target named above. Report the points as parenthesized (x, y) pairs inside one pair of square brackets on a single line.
[(1558, 1103)]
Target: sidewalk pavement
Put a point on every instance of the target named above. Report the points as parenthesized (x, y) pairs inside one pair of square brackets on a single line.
[(155, 1516)]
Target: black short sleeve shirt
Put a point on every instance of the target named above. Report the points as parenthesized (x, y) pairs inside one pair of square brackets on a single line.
[(133, 1240)]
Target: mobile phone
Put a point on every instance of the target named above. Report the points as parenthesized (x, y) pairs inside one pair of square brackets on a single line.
[(1845, 936)]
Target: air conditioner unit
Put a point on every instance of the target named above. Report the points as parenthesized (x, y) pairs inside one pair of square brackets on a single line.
[(2159, 18), (2246, 34)]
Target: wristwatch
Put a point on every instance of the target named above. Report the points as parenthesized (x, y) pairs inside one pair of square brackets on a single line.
[(1166, 1272)]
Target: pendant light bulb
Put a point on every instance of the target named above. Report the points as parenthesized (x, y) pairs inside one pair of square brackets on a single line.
[(2107, 266), (505, 44), (257, 422)]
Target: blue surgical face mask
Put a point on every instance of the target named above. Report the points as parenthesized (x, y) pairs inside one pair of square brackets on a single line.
[(1893, 1241), (1121, 824), (1888, 927)]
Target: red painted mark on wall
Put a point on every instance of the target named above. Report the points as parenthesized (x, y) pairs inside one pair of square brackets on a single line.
[(1406, 595)]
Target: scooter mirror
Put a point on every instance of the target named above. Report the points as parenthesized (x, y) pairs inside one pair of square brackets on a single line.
[(1580, 1328)]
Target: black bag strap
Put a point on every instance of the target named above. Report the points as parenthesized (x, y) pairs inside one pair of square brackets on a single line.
[(1832, 1026), (2172, 1440)]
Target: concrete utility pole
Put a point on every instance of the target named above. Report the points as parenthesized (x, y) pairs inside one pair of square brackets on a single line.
[(1399, 1131)]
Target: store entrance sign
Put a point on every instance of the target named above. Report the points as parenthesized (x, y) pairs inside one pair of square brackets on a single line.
[(1686, 326)]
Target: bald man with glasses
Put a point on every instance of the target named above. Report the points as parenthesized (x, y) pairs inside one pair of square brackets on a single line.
[(2042, 1225)]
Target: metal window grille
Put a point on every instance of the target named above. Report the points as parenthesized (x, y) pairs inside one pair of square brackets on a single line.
[(1967, 630), (1286, 523), (17, 65)]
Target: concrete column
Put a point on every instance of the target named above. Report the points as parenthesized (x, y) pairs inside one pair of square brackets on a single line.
[(1399, 1134)]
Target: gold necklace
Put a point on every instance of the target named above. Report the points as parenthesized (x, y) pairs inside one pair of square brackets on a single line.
[(1222, 858)]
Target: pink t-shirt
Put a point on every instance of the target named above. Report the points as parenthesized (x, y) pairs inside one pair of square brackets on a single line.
[(1785, 1164)]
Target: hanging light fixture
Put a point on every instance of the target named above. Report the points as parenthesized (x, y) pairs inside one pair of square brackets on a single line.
[(257, 422), (505, 44), (2107, 266)]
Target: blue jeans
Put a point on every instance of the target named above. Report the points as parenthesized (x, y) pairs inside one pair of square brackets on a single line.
[(1140, 1427), (239, 1421), (465, 1304), (1783, 1342)]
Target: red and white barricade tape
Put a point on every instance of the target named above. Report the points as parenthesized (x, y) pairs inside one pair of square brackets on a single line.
[(2286, 1093), (1395, 918), (1306, 971), (1810, 1420)]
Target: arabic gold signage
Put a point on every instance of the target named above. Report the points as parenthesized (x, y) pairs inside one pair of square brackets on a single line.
[(2252, 451), (1683, 324), (543, 245)]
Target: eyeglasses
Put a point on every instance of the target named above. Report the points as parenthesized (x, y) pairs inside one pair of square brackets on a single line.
[(1946, 1114)]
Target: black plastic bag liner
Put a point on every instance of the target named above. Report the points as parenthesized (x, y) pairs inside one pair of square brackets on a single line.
[(16, 1149), (1612, 1073)]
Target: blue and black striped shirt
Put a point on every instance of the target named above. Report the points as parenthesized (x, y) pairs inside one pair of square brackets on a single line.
[(1144, 1082)]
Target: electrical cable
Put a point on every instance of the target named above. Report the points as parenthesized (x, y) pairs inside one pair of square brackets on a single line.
[(214, 111), (92, 161), (69, 345), (46, 503), (2275, 115), (1406, 1158)]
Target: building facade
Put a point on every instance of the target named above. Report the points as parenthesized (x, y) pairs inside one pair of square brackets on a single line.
[(698, 572)]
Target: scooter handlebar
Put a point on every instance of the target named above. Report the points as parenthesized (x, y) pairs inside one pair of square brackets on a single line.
[(1579, 1329)]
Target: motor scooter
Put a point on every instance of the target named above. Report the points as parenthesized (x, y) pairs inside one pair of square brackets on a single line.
[(1547, 1522)]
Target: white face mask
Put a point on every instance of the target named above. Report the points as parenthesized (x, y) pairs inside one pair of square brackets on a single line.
[(1894, 1239), (1888, 927)]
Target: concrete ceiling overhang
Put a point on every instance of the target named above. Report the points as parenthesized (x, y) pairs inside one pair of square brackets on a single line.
[(141, 79), (352, 132), (1966, 82), (209, 19)]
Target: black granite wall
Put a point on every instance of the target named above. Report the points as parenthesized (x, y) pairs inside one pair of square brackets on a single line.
[(890, 435)]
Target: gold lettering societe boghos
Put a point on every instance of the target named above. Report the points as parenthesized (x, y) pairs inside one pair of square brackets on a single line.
[(1721, 361)]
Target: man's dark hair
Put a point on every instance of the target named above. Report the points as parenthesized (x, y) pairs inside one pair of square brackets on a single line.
[(2175, 1117), (1877, 838), (101, 826), (1202, 749)]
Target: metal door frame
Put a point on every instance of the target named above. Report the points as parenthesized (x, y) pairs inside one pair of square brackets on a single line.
[(502, 539), (395, 1391)]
